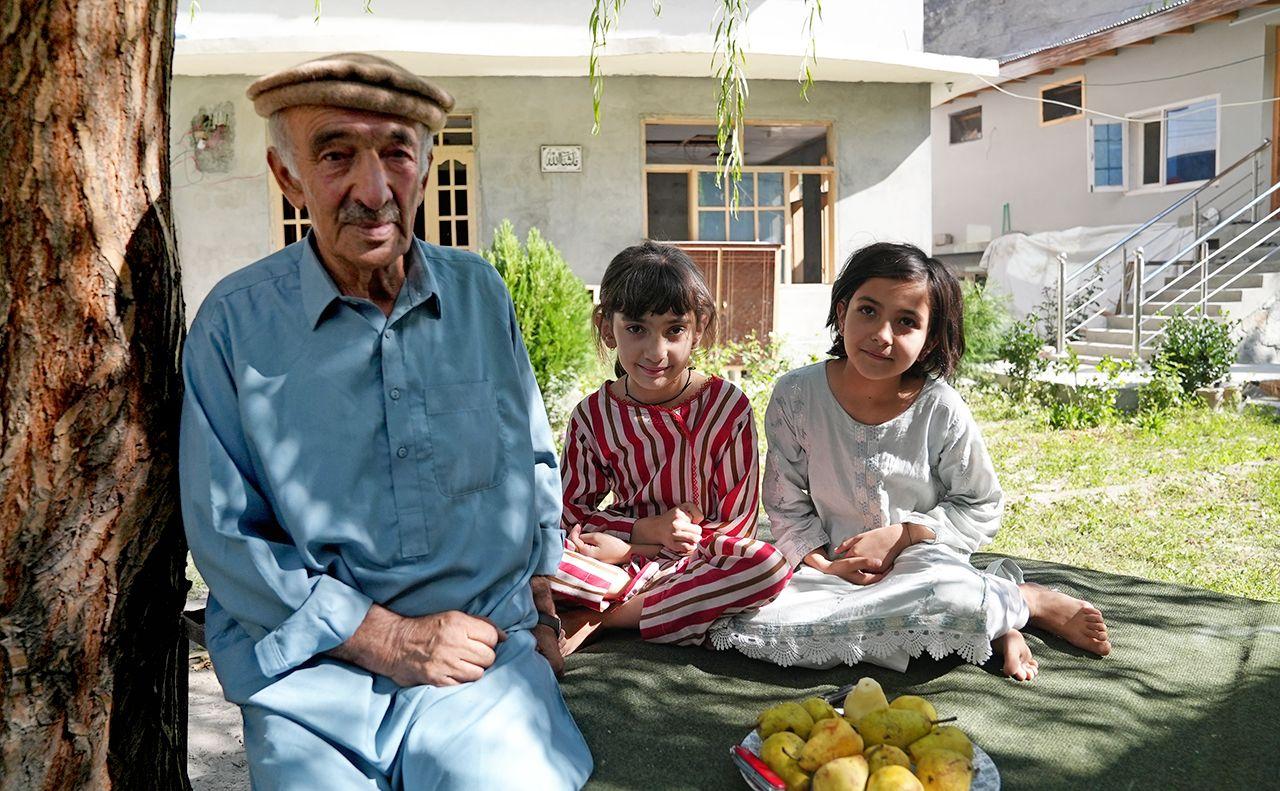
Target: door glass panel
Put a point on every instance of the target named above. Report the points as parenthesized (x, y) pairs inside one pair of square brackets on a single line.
[(770, 189), (709, 193), (463, 233), (459, 174), (746, 190), (446, 233), (742, 228), (668, 198), (443, 203), (711, 226), (771, 226), (460, 202), (442, 174)]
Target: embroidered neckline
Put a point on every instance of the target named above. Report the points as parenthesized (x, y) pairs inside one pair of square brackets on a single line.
[(655, 407)]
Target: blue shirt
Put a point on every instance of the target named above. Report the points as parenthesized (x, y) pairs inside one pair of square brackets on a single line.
[(333, 456)]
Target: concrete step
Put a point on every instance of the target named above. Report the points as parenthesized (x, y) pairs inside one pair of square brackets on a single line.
[(1122, 337), (1151, 308), (1124, 321), (1096, 351), (1246, 234), (1174, 294)]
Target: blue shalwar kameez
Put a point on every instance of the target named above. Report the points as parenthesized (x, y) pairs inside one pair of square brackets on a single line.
[(333, 456)]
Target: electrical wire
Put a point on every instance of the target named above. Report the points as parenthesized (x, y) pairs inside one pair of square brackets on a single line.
[(1093, 85)]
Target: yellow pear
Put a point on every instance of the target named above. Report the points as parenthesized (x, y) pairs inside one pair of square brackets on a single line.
[(898, 727), (785, 717), (830, 739), (915, 703), (893, 778), (881, 755), (866, 697), (944, 770), (843, 774), (819, 709), (781, 753), (946, 737)]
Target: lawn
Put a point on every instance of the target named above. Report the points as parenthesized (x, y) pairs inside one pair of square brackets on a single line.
[(1195, 502)]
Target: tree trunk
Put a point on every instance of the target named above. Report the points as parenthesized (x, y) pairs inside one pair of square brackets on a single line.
[(92, 656)]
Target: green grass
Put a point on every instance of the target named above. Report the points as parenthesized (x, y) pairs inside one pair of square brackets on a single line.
[(1196, 502)]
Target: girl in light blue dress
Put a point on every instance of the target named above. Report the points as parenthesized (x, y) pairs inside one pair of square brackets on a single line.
[(878, 488)]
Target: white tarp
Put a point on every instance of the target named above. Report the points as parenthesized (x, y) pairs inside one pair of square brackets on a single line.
[(1025, 266)]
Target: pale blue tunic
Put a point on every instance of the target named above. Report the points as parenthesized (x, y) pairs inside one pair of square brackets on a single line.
[(331, 457)]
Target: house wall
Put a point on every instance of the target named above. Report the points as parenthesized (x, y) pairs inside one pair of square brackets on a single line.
[(881, 149), (1043, 171)]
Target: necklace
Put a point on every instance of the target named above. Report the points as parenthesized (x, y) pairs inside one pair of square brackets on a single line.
[(627, 389)]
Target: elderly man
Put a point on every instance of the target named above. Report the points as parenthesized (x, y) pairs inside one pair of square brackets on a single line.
[(368, 480)]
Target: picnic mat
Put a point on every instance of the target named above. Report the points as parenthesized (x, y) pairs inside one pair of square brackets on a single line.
[(1189, 698)]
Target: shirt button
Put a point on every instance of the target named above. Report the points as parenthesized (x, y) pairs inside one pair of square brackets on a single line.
[(402, 452), (395, 394), (387, 334)]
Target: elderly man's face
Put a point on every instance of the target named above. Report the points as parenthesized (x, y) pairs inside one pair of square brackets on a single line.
[(360, 178)]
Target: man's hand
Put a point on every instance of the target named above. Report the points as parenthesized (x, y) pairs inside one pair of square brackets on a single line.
[(442, 649), (547, 639), (601, 546), (859, 571), (882, 545), (679, 529)]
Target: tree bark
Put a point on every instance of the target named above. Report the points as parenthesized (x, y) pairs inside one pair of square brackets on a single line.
[(92, 556)]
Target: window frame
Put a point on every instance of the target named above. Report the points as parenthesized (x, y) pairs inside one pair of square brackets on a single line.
[(829, 171), (1091, 174), (1161, 113), (1080, 113), (951, 118)]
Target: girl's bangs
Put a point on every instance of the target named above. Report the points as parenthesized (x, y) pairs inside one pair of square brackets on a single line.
[(652, 289)]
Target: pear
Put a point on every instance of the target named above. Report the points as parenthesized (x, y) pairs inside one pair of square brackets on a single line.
[(830, 739), (898, 727), (866, 697), (915, 703), (881, 755), (819, 709), (843, 774), (781, 753), (785, 717), (893, 778), (944, 770), (945, 737)]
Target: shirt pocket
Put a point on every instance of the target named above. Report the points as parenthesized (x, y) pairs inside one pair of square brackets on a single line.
[(468, 453)]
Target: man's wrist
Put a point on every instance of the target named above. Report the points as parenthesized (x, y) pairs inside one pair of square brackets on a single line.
[(550, 621)]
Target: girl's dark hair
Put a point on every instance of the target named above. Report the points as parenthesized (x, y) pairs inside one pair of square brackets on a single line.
[(944, 345), (654, 278)]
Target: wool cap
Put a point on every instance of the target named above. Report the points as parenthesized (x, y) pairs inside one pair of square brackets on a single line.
[(357, 81)]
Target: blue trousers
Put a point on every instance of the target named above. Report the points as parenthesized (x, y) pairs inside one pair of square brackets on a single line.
[(330, 725)]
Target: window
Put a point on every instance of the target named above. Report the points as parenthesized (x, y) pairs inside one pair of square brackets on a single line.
[(1062, 100), (784, 196), (1178, 144), (447, 214), (1106, 155), (966, 125)]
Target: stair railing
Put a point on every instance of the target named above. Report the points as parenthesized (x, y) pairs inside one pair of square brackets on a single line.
[(1071, 318)]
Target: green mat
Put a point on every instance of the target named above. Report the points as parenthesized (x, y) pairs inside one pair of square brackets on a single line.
[(1187, 699)]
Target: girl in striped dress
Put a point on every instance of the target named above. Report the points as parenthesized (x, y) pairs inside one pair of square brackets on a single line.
[(674, 449)]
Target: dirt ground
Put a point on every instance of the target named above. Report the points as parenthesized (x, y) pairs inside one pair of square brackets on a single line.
[(215, 743)]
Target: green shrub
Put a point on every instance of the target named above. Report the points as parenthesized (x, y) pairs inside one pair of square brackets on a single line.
[(1087, 406), (986, 319), (1020, 347), (553, 307), (754, 365), (1199, 348), (1163, 392)]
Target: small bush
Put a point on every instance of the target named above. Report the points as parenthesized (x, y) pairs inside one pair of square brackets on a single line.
[(553, 307), (754, 364), (1020, 347), (1199, 348), (986, 319)]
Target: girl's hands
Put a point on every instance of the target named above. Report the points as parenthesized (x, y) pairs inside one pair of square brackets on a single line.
[(601, 546), (678, 529)]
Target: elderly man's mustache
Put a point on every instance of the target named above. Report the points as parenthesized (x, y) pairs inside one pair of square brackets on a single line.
[(356, 212)]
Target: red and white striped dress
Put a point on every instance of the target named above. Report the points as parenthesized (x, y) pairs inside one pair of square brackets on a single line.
[(653, 459)]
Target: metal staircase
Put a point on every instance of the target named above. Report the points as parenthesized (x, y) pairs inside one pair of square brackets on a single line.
[(1116, 304)]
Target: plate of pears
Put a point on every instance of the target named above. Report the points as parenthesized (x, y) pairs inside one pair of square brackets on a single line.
[(868, 743)]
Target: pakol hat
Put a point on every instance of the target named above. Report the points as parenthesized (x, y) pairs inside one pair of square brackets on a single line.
[(357, 81)]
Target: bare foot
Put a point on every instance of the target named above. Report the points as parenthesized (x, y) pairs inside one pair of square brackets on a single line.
[(1074, 620), (1019, 664), (578, 626)]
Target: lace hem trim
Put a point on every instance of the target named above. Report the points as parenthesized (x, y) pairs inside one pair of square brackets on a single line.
[(787, 650)]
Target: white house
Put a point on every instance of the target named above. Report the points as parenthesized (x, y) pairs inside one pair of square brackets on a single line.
[(848, 166), (1109, 125)]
